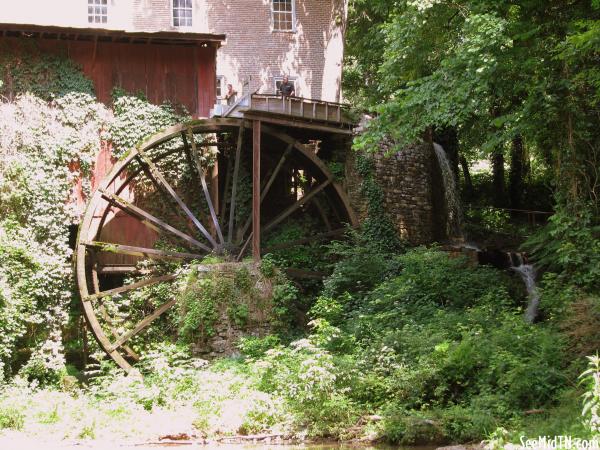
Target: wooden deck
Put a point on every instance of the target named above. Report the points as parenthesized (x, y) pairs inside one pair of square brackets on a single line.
[(291, 111)]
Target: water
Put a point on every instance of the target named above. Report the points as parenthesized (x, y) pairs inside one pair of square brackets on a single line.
[(528, 275), (451, 195)]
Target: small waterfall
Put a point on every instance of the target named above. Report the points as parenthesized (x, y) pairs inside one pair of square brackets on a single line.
[(528, 275), (451, 195)]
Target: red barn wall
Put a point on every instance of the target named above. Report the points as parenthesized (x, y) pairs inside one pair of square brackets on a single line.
[(181, 74)]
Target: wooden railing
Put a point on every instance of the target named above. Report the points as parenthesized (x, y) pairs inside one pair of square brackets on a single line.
[(300, 107)]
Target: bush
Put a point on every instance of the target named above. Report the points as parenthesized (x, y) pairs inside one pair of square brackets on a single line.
[(256, 347), (11, 417)]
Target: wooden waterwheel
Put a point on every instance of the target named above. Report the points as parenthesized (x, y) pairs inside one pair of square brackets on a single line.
[(192, 191)]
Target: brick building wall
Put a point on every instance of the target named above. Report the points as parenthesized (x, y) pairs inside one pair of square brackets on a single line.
[(254, 53)]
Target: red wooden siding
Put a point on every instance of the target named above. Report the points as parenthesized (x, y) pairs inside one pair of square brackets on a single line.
[(181, 74)]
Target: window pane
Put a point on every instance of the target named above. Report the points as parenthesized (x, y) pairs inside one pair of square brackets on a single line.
[(188, 4), (175, 13), (97, 19), (90, 19), (175, 3), (103, 19)]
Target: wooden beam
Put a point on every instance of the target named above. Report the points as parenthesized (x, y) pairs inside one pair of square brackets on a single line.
[(145, 216), (291, 209), (202, 175), (140, 251), (165, 184), (129, 287), (267, 187), (236, 170), (141, 325), (293, 121), (256, 190)]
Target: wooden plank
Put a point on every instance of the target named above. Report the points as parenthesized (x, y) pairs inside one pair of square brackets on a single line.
[(228, 177), (146, 216), (129, 287), (202, 174), (256, 190), (142, 324), (161, 179), (291, 209), (297, 122), (140, 251), (236, 170)]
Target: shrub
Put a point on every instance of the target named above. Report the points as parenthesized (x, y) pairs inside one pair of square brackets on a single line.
[(256, 347)]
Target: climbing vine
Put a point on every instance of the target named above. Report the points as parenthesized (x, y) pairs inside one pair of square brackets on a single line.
[(25, 68), (377, 228)]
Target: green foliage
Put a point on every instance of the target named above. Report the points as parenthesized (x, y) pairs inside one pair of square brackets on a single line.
[(377, 228), (591, 398), (137, 119), (255, 347), (27, 69), (39, 144), (285, 297), (570, 246), (361, 265), (11, 417), (311, 384)]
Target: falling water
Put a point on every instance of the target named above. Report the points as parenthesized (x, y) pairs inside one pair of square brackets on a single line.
[(528, 274), (453, 205)]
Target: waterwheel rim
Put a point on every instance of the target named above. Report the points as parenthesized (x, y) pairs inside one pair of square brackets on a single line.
[(217, 232)]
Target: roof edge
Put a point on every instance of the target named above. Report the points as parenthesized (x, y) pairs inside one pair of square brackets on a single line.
[(106, 35)]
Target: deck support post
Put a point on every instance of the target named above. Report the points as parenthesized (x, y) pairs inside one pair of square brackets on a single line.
[(256, 190)]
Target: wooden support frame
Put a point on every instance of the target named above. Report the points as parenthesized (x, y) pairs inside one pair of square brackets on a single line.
[(256, 190)]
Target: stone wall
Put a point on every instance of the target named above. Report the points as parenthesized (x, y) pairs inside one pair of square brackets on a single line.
[(256, 296), (411, 187)]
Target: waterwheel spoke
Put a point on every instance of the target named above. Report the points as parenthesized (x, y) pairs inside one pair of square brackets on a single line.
[(145, 216), (140, 251), (285, 214), (202, 174), (236, 172), (298, 204), (226, 188), (159, 178), (141, 325), (96, 284), (270, 182), (129, 287), (322, 213)]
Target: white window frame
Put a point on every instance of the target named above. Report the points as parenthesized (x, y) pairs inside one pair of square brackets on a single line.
[(94, 4), (220, 83), (279, 79), (273, 29), (180, 8)]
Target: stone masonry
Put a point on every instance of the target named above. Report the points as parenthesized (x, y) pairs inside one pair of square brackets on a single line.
[(410, 198)]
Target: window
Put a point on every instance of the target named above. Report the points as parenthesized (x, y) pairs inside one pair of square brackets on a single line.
[(97, 11), (182, 13), (279, 80), (284, 12), (220, 90)]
